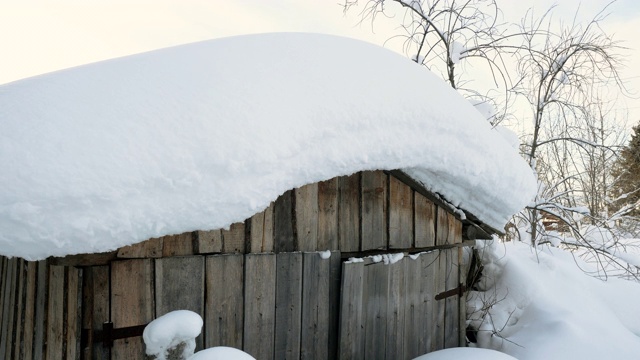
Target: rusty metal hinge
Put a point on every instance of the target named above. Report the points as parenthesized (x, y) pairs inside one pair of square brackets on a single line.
[(453, 292)]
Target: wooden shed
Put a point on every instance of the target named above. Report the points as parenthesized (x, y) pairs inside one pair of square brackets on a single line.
[(365, 186), (265, 285)]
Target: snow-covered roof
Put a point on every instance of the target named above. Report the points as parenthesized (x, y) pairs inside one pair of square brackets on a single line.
[(202, 135)]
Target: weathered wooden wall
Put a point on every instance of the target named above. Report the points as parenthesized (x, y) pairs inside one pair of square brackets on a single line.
[(259, 285)]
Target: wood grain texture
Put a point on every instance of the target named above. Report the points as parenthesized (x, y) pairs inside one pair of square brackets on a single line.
[(179, 285), (394, 348), (73, 314), (442, 227), (335, 278), (151, 248), (234, 238), (452, 312), (425, 221), (39, 336), (284, 236), (375, 303), (315, 307), (288, 305), (95, 307), (429, 271), (306, 215), (55, 313), (259, 318), (351, 334), (29, 311), (414, 311), (224, 301), (9, 304), (349, 212), (18, 331), (401, 215), (438, 319), (261, 239), (328, 215), (374, 226), (208, 242), (178, 245), (132, 303)]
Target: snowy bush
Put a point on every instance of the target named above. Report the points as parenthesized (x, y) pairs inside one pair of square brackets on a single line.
[(173, 335)]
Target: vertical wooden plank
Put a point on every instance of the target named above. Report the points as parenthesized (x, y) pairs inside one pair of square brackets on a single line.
[(29, 311), (6, 338), (95, 307), (414, 311), (374, 210), (328, 215), (41, 310), (425, 221), (73, 312), (19, 309), (429, 266), (351, 344), (438, 319), (259, 305), (400, 215), (55, 313), (442, 227), (315, 307), (306, 208), (335, 277), (261, 236), (224, 300), (151, 248), (457, 230), (395, 312), (452, 223), (349, 212), (208, 242), (283, 225), (288, 305), (132, 303), (179, 285), (463, 268), (452, 315), (178, 245), (376, 291), (3, 275), (234, 238)]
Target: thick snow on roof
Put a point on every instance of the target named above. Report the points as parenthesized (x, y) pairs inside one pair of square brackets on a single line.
[(203, 135)]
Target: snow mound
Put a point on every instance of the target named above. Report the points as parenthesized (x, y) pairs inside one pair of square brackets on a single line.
[(171, 329), (200, 136), (465, 354), (221, 353)]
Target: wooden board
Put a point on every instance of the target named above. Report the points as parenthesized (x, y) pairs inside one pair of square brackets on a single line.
[(438, 315), (395, 311), (328, 215), (335, 278), (151, 248), (261, 239), (349, 213), (178, 245), (351, 334), (259, 305), (39, 335), (284, 239), (95, 307), (19, 309), (315, 307), (425, 221), (29, 311), (208, 242), (401, 216), (414, 310), (73, 312), (442, 227), (234, 238), (452, 311), (6, 334), (3, 281), (374, 210), (463, 269), (224, 301), (132, 303), (306, 215), (429, 265), (376, 289), (55, 313), (179, 285), (288, 305)]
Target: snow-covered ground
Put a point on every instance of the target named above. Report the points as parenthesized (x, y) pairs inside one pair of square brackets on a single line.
[(542, 305), (203, 135)]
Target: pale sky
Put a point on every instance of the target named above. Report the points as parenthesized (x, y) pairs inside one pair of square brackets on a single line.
[(42, 36)]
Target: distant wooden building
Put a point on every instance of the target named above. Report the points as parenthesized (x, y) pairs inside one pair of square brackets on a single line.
[(263, 286)]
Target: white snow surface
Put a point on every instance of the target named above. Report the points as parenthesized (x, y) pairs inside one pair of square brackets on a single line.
[(465, 354), (221, 353), (200, 136), (171, 329)]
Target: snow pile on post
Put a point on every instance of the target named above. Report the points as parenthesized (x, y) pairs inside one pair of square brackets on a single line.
[(169, 332), (203, 135)]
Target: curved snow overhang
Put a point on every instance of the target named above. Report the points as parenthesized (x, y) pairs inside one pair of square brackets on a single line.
[(203, 135)]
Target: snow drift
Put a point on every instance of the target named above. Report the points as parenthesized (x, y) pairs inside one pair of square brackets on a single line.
[(203, 135)]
